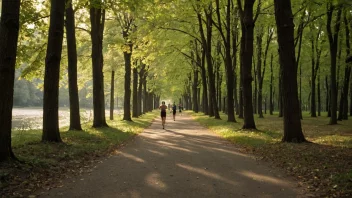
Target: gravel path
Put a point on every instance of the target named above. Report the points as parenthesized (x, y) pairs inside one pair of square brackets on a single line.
[(184, 160)]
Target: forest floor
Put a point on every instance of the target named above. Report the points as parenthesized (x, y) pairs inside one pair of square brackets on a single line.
[(323, 167), (183, 160)]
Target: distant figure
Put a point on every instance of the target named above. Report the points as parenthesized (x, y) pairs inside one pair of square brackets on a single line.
[(163, 108), (180, 108), (169, 107), (174, 111)]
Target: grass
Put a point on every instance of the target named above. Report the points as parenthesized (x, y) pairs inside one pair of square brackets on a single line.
[(323, 167), (45, 163)]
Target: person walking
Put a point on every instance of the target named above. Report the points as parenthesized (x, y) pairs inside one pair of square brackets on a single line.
[(180, 108), (163, 108), (174, 111)]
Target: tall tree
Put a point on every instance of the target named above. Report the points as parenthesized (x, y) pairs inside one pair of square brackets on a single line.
[(97, 20), (343, 112), (261, 72), (271, 102), (9, 30), (75, 121), (315, 56), (135, 94), (285, 29), (226, 37), (112, 94), (140, 88), (333, 41), (52, 72), (126, 22), (206, 41), (247, 26)]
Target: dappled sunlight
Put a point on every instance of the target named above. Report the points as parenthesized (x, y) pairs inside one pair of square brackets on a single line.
[(344, 141), (230, 152), (206, 173), (264, 178), (153, 180), (182, 149), (132, 157), (165, 143), (156, 152)]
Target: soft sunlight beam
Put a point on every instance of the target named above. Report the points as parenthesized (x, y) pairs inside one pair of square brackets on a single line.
[(207, 173)]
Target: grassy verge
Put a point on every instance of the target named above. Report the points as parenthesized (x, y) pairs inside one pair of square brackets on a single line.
[(46, 164), (324, 167)]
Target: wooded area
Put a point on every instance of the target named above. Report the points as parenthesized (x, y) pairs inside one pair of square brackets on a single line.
[(244, 58)]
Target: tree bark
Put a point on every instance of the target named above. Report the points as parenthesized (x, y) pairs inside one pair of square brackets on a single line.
[(140, 88), (344, 108), (127, 56), (247, 26), (112, 93), (52, 73), (255, 86), (145, 93), (280, 100), (271, 103), (351, 99), (313, 107), (195, 90), (97, 18), (226, 37), (135, 94), (9, 30), (319, 94), (207, 39), (205, 86), (285, 29), (333, 41), (327, 103), (260, 72), (75, 121)]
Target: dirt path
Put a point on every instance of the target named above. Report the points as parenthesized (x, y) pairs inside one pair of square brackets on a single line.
[(184, 160)]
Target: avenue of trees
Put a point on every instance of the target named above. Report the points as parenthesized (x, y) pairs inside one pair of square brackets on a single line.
[(245, 58)]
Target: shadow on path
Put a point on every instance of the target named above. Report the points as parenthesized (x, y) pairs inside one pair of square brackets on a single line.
[(184, 160)]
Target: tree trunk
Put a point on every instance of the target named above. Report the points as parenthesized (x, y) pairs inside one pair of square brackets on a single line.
[(127, 56), (145, 93), (75, 121), (260, 72), (271, 102), (213, 108), (312, 105), (285, 28), (9, 30), (228, 61), (240, 105), (112, 91), (204, 85), (255, 87), (327, 107), (247, 26), (280, 99), (333, 41), (351, 99), (319, 95), (195, 90), (52, 73), (344, 111), (134, 95), (97, 18), (140, 89), (300, 91)]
